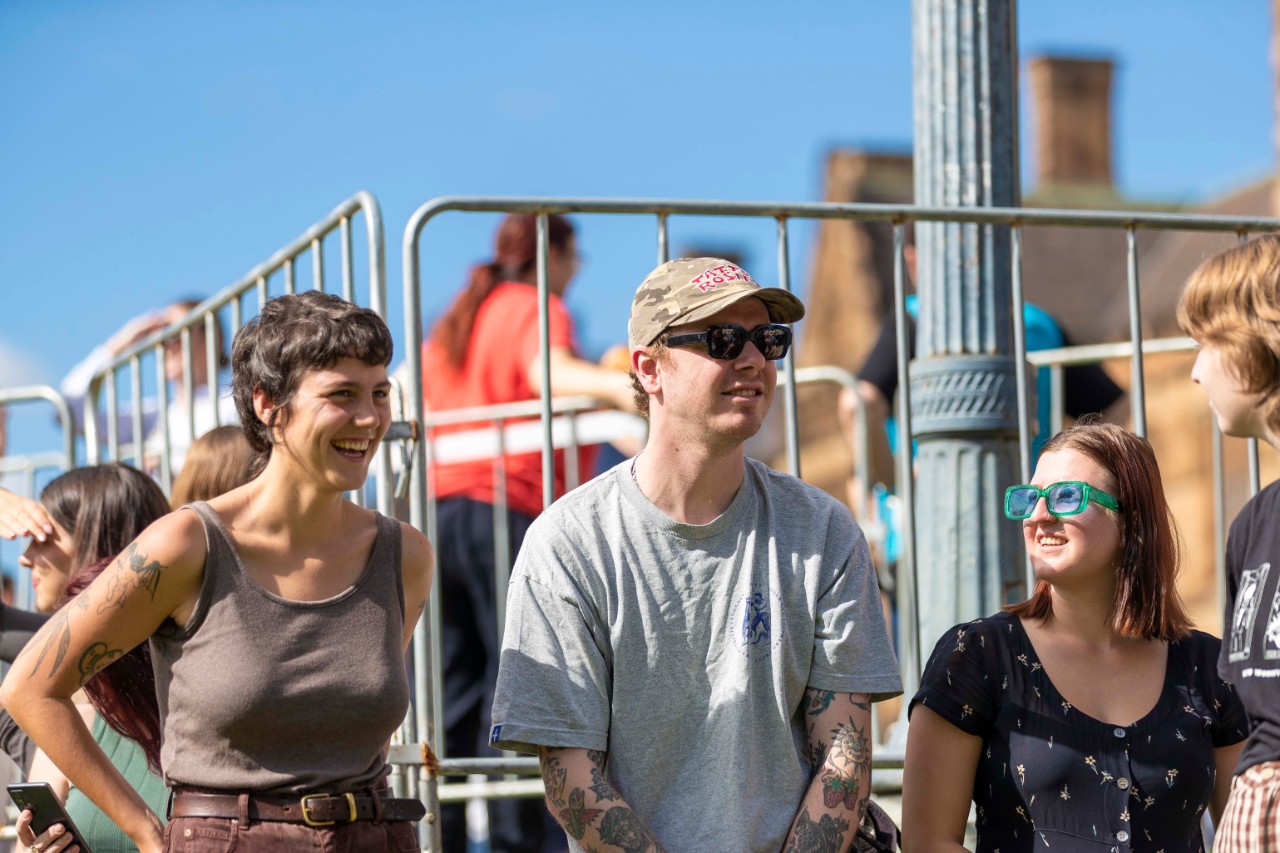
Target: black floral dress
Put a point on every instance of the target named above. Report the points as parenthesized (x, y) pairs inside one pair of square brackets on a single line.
[(1052, 778)]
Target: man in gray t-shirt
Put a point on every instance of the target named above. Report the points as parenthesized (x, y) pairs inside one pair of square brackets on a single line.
[(693, 640)]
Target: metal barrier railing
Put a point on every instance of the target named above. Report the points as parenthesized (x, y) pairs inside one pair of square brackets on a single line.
[(899, 216), (205, 316), (22, 473)]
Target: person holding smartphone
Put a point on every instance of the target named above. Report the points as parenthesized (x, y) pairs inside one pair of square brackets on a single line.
[(83, 519)]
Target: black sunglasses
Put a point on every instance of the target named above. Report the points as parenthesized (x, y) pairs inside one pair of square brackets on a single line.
[(726, 340)]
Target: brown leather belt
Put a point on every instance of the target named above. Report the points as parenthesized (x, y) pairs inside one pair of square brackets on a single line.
[(312, 810)]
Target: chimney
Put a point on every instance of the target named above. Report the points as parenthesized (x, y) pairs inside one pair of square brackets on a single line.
[(1072, 104)]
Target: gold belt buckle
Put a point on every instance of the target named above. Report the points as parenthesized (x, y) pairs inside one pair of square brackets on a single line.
[(306, 809)]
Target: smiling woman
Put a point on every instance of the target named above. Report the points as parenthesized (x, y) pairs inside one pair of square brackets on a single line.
[(246, 601), (1065, 712)]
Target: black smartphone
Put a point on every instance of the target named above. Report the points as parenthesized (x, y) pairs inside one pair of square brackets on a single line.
[(46, 809)]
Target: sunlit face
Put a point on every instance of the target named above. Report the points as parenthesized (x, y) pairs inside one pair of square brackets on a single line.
[(1238, 411), (1075, 550), (725, 401), (335, 423), (52, 564)]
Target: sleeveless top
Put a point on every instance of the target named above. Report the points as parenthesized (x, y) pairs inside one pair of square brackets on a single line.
[(100, 833), (265, 694)]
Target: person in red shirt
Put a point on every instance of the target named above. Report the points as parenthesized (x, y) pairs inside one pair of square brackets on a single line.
[(484, 351)]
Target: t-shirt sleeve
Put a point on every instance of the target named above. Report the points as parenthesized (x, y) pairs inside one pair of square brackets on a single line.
[(851, 650), (959, 682), (1230, 722), (1232, 568), (553, 677)]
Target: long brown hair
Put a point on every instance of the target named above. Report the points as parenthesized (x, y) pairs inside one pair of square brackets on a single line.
[(514, 255), (124, 693), (1147, 604), (217, 462), (104, 507)]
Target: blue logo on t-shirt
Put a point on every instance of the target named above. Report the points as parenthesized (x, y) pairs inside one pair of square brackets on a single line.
[(756, 624), (495, 734), (755, 621)]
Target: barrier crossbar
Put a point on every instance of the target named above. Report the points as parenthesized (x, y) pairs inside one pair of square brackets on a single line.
[(899, 217), (282, 265)]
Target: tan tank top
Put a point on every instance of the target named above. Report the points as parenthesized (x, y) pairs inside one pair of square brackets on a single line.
[(261, 693)]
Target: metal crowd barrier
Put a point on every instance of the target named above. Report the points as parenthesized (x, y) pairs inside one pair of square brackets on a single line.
[(22, 473), (661, 210), (278, 274)]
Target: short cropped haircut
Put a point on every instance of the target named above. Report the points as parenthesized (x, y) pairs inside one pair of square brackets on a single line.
[(293, 335), (657, 349), (1147, 604), (1232, 302)]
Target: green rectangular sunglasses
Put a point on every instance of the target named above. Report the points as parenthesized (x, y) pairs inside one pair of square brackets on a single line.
[(1069, 497)]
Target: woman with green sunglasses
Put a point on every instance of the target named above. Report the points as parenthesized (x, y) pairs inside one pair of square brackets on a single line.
[(1091, 716)]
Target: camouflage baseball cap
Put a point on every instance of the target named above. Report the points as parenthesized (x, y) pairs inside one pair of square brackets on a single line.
[(690, 289)]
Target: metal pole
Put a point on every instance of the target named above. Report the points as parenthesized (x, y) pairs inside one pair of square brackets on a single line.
[(963, 383), (789, 365)]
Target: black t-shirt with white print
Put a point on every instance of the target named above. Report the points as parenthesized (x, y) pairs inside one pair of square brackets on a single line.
[(1250, 656)]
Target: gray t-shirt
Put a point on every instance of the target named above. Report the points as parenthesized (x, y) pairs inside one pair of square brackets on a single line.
[(684, 650)]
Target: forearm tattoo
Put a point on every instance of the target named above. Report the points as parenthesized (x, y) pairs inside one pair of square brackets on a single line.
[(57, 636), (825, 835), (98, 656), (617, 825)]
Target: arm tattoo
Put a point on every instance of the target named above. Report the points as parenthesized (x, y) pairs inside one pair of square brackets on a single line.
[(95, 658), (849, 761), (623, 828), (58, 633), (576, 817), (817, 701), (823, 836), (553, 777), (132, 570)]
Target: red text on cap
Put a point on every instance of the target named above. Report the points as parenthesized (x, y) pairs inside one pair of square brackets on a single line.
[(722, 274)]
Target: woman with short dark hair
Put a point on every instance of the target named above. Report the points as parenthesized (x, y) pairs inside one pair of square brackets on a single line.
[(277, 614), (1091, 715)]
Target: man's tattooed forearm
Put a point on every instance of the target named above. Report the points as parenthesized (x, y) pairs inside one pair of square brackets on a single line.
[(823, 836), (95, 658), (623, 828), (576, 817), (132, 570), (553, 777), (850, 750), (602, 788)]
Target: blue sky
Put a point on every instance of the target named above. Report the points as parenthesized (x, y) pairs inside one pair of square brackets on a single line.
[(153, 150)]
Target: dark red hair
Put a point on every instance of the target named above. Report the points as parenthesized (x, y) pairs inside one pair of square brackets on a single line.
[(514, 255), (124, 693), (1147, 604)]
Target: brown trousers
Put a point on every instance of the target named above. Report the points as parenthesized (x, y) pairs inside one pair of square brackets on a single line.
[(225, 835)]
